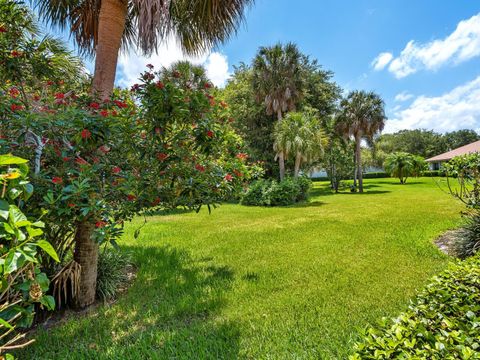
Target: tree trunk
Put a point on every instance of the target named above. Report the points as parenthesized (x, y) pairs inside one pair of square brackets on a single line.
[(355, 169), (111, 25), (298, 162), (358, 152), (86, 255), (281, 156)]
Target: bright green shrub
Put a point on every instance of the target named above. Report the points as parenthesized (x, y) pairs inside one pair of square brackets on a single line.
[(274, 193), (443, 322)]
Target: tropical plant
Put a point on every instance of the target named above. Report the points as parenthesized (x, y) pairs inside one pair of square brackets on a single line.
[(277, 193), (299, 135), (419, 165), (400, 165), (99, 164), (278, 83), (103, 27), (113, 266), (29, 59), (361, 116), (24, 285)]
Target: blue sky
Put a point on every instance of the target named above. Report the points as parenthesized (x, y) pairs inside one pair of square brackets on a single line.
[(429, 73)]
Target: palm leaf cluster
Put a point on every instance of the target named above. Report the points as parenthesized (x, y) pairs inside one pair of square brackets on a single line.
[(198, 25)]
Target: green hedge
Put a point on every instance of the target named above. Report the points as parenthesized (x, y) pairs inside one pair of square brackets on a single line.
[(443, 322), (433, 173), (274, 193)]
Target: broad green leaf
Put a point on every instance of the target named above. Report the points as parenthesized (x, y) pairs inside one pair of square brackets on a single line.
[(11, 160), (48, 248), (16, 215), (5, 324), (4, 207)]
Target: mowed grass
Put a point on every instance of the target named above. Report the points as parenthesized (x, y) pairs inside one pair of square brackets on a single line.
[(267, 283)]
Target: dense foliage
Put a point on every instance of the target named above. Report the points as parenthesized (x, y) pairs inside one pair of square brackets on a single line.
[(403, 165), (113, 267), (277, 193), (441, 323), (22, 245)]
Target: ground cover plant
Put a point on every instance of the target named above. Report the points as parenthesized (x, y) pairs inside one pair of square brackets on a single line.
[(289, 282)]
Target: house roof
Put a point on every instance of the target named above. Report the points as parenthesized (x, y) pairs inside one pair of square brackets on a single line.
[(462, 150)]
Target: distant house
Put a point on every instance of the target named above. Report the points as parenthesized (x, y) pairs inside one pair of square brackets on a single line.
[(436, 162)]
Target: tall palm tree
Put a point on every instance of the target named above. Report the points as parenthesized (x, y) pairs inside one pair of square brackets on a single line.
[(362, 115), (277, 82), (301, 135), (102, 27)]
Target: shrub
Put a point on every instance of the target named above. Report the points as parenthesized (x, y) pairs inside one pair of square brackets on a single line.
[(467, 242), (433, 173), (441, 323), (376, 175), (274, 193), (112, 272)]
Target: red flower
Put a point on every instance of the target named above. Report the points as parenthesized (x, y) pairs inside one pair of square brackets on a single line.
[(114, 113), (3, 29), (36, 97), (162, 156), (57, 180), (135, 87), (237, 173), (210, 134), (59, 96), (94, 105), (207, 85), (212, 102), (14, 92), (16, 53), (228, 177), (104, 113), (80, 161), (242, 156), (15, 107), (116, 170), (50, 83), (66, 159), (120, 104), (160, 85), (100, 224), (223, 104), (158, 130), (104, 149), (71, 205), (200, 167), (131, 197), (86, 134), (156, 201)]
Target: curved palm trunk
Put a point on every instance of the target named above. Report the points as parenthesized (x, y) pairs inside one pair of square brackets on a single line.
[(358, 154), (298, 162), (281, 156), (86, 255), (110, 30)]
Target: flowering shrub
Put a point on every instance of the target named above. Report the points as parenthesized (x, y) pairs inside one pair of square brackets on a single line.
[(97, 164), (23, 283)]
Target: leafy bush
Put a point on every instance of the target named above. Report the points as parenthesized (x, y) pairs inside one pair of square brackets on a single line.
[(23, 284), (467, 241), (441, 323), (112, 273), (376, 175), (433, 173), (274, 193)]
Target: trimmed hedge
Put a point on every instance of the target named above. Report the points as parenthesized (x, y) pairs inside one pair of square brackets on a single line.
[(443, 322), (274, 193), (433, 173)]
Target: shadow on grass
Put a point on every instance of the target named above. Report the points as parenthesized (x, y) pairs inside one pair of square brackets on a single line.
[(367, 189), (168, 313)]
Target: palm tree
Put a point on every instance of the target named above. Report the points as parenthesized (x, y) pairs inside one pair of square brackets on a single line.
[(277, 82), (102, 27), (362, 115), (299, 134), (400, 165)]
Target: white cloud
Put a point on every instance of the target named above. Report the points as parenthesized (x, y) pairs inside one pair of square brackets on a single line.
[(382, 60), (457, 109), (130, 65), (461, 45), (403, 96)]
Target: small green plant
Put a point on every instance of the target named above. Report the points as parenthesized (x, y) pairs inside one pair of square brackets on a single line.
[(441, 323), (112, 272), (467, 242)]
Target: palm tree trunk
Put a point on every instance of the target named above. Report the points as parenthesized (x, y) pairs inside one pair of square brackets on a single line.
[(298, 162), (358, 152), (355, 169), (110, 31), (86, 255), (281, 156)]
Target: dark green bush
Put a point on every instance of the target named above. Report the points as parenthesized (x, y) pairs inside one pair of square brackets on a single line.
[(274, 193), (113, 268), (376, 175), (433, 173), (443, 322)]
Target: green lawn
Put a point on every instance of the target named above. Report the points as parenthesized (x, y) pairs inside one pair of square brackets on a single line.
[(267, 283)]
